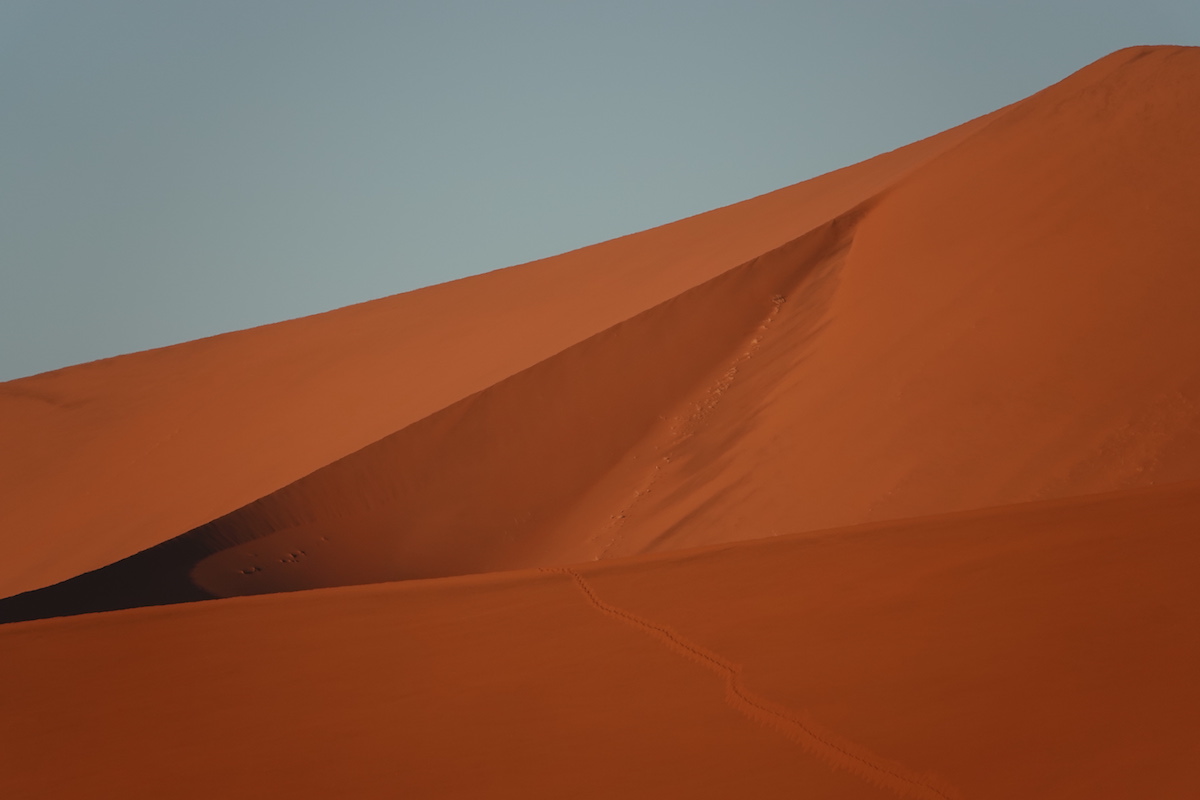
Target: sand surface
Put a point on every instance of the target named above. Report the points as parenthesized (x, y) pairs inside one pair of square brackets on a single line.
[(883, 484), (1044, 650)]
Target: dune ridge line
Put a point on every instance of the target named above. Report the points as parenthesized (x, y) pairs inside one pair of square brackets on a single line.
[(833, 750)]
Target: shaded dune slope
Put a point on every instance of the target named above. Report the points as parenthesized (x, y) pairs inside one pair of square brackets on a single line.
[(477, 486), (1039, 651)]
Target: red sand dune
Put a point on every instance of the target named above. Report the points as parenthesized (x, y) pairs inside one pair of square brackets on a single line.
[(1000, 322)]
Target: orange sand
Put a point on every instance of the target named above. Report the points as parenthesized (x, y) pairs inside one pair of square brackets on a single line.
[(1000, 321), (1043, 651)]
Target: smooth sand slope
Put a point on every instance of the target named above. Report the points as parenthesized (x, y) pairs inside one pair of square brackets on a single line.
[(1044, 651), (933, 422)]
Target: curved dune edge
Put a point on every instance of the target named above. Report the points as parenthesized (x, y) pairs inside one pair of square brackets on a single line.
[(1039, 651), (150, 445), (478, 486)]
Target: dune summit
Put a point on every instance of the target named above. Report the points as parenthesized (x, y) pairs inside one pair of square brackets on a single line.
[(882, 484)]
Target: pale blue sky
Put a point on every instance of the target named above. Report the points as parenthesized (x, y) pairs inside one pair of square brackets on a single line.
[(170, 170)]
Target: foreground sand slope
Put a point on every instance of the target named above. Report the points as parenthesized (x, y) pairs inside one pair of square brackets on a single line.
[(1038, 651), (102, 460)]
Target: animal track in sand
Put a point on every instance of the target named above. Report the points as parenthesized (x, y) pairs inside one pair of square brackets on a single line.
[(288, 557), (685, 427), (293, 557), (833, 750)]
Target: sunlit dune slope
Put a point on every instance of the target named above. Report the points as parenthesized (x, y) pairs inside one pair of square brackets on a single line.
[(1037, 651), (105, 459), (1003, 313)]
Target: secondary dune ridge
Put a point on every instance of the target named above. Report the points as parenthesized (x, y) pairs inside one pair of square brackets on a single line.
[(990, 334)]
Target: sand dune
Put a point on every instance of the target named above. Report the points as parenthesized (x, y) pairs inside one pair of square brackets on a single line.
[(883, 484), (1001, 314)]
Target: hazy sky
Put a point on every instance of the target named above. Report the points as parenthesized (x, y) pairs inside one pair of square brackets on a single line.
[(170, 170)]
